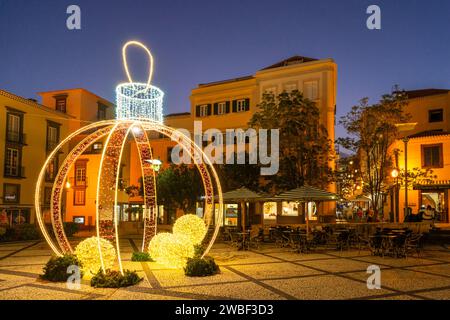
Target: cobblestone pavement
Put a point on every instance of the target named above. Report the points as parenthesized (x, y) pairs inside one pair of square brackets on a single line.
[(267, 273)]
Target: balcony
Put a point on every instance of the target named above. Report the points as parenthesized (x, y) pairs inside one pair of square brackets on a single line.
[(17, 172), (15, 137), (51, 145), (78, 183)]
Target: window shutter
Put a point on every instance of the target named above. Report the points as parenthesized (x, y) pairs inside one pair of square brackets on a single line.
[(209, 109), (227, 107), (247, 104), (197, 111), (234, 105), (216, 107)]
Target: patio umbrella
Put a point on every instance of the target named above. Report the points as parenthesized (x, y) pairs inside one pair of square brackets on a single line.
[(241, 194), (307, 194)]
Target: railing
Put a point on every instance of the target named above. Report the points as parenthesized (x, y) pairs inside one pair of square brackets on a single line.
[(17, 137), (51, 145), (79, 183)]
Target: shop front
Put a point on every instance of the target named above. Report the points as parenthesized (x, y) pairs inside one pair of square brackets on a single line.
[(435, 196)]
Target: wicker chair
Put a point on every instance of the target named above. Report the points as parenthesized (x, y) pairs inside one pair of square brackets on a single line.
[(413, 244)]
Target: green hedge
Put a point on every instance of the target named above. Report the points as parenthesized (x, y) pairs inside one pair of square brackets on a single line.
[(56, 268), (201, 267), (114, 279), (141, 256), (20, 232)]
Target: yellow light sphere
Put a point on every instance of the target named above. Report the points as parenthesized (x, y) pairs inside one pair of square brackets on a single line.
[(88, 254), (191, 226), (171, 250)]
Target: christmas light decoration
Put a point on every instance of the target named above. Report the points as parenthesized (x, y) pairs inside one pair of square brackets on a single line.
[(138, 100), (171, 250), (139, 110), (191, 226), (86, 251)]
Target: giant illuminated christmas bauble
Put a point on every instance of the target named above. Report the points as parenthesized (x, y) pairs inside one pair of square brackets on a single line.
[(139, 110)]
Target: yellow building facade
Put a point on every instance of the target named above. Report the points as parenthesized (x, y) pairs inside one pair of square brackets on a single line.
[(30, 132), (428, 147), (230, 104)]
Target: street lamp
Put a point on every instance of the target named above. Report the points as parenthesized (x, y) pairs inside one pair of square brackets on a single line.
[(403, 127), (156, 164), (394, 174)]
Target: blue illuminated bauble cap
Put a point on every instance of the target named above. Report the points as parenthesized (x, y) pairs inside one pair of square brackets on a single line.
[(136, 100)]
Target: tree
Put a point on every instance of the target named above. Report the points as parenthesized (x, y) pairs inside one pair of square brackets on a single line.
[(235, 175), (348, 176), (305, 150), (180, 187), (372, 129), (416, 175)]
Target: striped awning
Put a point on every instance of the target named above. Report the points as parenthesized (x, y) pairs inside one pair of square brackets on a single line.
[(241, 194), (307, 193)]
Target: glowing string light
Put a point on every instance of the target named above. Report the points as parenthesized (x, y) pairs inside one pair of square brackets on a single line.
[(138, 100)]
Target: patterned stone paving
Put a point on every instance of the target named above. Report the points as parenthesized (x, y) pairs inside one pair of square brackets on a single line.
[(268, 273)]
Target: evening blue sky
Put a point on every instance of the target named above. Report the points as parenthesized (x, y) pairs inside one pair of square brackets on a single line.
[(201, 41)]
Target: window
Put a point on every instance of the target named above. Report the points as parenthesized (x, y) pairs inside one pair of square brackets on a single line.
[(47, 195), (98, 146), (79, 197), (231, 214), (78, 219), (241, 105), (311, 89), (290, 87), (270, 210), (270, 90), (289, 208), (101, 112), (61, 103), (51, 170), (432, 156), (80, 174), (13, 127), (221, 107), (12, 162), (52, 136), (436, 115), (11, 193), (203, 110)]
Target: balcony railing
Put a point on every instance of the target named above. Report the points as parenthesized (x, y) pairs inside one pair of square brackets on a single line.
[(78, 183), (18, 172), (17, 137), (51, 145)]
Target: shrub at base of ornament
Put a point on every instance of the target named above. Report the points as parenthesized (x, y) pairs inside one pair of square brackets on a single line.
[(201, 267), (87, 252), (114, 279), (141, 256), (56, 268)]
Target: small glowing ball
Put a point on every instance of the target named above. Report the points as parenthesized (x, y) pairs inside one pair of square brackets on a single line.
[(88, 254), (191, 226), (171, 250)]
